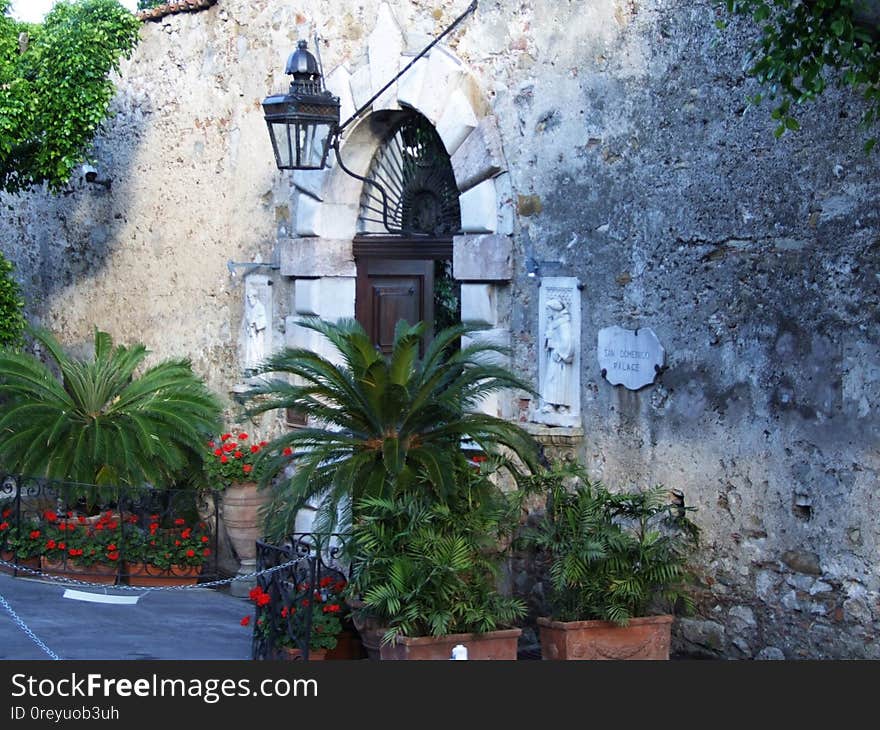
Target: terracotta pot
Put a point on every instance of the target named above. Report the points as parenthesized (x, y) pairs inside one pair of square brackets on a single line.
[(370, 629), (240, 510), (642, 638), (9, 557), (348, 646), (295, 655), (497, 645), (98, 573), (140, 574)]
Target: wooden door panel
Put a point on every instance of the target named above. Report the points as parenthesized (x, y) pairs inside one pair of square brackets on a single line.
[(390, 290)]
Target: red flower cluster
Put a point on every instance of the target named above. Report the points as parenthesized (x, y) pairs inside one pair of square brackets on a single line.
[(232, 459)]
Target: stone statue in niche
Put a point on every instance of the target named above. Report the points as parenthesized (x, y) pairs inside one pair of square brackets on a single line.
[(256, 322), (559, 353)]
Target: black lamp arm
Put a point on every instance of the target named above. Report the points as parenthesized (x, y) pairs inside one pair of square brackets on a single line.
[(369, 102), (369, 182)]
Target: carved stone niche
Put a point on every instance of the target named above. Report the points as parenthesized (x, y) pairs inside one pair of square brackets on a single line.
[(256, 326), (559, 353)]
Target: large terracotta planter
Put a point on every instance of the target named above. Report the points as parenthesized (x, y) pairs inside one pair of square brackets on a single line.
[(103, 574), (147, 575), (498, 645), (241, 515), (642, 638)]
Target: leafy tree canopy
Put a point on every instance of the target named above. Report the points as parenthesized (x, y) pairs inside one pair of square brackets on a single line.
[(55, 88), (805, 43), (12, 321)]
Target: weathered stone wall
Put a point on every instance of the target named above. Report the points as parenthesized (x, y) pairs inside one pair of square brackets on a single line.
[(636, 166)]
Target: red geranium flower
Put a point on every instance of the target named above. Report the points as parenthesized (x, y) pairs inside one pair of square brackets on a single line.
[(325, 581), (50, 544), (255, 449), (242, 437), (226, 436), (205, 538), (211, 444), (62, 546), (246, 621), (247, 468), (4, 526), (223, 459), (218, 452), (35, 534), (190, 553), (206, 552), (113, 556), (50, 516), (238, 454), (287, 451)]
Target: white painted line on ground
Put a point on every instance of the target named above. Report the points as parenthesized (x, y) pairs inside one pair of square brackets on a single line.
[(99, 597)]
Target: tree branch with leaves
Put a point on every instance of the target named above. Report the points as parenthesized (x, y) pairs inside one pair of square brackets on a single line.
[(55, 87), (804, 45)]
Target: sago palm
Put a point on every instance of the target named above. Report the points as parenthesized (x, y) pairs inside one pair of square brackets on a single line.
[(101, 423), (382, 425)]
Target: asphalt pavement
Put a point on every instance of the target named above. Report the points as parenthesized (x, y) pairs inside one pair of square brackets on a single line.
[(190, 623)]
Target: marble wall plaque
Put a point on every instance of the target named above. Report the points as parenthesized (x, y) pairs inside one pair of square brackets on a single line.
[(630, 358)]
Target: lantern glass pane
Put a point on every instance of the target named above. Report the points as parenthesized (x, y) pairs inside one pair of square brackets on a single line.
[(281, 139), (311, 137)]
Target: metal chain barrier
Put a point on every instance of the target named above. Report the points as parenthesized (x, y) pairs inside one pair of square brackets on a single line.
[(144, 589), (24, 627)]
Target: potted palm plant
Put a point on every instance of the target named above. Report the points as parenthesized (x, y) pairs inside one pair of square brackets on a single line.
[(616, 564), (384, 444), (102, 422)]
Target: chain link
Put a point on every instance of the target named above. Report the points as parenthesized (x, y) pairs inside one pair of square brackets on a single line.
[(145, 589), (24, 627)]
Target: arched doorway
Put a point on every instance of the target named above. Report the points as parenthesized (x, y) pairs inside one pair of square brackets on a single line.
[(407, 274)]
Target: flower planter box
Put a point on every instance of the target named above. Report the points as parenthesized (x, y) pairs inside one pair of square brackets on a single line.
[(642, 638), (9, 557), (148, 575), (103, 574), (496, 645)]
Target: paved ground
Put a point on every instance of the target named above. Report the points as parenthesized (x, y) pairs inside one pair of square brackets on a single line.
[(195, 623)]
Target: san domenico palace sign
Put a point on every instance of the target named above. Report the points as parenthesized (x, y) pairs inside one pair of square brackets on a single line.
[(631, 358)]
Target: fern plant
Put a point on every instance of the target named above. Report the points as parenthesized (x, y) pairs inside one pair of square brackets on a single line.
[(381, 427), (610, 556), (101, 423), (429, 568)]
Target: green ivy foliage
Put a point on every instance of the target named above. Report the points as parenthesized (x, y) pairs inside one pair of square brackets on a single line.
[(12, 321), (55, 88), (147, 4), (805, 43)]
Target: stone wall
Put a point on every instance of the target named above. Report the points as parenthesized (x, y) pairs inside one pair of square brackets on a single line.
[(628, 159)]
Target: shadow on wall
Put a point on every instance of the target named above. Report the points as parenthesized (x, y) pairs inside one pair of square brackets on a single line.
[(59, 239)]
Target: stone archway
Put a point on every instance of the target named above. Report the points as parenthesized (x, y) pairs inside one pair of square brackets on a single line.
[(319, 256)]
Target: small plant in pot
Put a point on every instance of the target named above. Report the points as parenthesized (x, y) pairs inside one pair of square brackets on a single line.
[(616, 564), (428, 571)]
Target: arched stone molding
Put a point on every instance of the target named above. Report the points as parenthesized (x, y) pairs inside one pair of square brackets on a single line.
[(327, 204)]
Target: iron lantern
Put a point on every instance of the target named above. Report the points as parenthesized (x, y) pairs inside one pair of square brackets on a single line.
[(304, 122)]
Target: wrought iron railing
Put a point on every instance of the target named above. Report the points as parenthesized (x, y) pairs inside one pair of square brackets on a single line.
[(45, 523), (285, 623)]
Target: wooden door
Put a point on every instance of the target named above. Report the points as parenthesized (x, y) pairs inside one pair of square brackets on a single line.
[(389, 290)]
